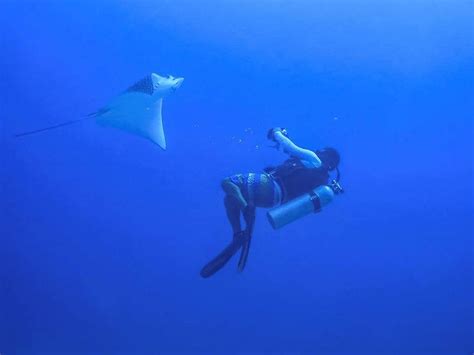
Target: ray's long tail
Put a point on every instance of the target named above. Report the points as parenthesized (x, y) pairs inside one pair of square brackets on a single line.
[(59, 125)]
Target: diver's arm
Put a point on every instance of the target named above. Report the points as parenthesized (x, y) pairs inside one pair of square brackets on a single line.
[(292, 149)]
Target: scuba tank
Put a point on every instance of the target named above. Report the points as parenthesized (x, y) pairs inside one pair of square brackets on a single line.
[(303, 205)]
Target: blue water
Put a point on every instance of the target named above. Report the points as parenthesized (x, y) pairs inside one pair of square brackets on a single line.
[(103, 234)]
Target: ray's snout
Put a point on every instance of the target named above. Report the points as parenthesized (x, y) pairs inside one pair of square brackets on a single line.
[(177, 83)]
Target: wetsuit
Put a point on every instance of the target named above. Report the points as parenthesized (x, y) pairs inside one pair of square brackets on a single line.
[(245, 192)]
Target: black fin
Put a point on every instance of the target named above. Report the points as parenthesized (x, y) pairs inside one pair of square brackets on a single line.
[(222, 258)]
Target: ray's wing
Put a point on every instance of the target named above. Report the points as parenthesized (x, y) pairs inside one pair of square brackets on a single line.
[(155, 129), (136, 113)]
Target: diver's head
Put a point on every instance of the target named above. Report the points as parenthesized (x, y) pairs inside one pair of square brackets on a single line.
[(329, 157)]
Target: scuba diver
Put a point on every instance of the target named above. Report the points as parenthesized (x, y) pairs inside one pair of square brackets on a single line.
[(293, 189)]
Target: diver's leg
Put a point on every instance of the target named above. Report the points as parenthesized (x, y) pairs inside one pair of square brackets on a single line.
[(232, 189), (249, 217), (263, 195), (232, 209), (234, 201)]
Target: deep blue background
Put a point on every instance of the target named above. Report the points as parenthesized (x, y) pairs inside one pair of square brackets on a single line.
[(103, 234)]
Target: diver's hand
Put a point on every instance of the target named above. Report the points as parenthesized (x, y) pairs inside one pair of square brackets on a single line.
[(273, 131)]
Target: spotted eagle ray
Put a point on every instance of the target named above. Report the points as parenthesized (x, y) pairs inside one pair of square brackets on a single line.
[(137, 110)]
